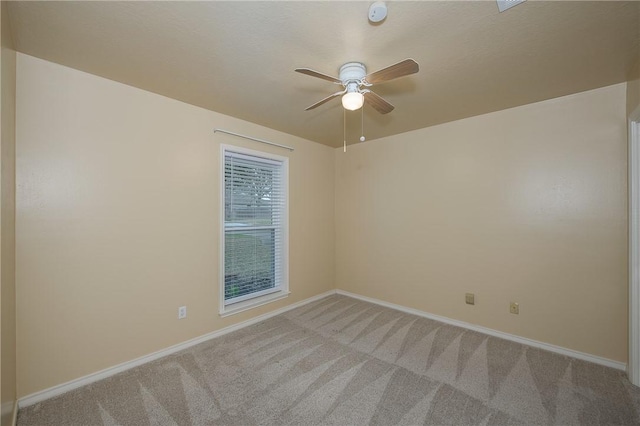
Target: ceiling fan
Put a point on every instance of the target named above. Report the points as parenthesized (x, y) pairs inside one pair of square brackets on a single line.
[(355, 82)]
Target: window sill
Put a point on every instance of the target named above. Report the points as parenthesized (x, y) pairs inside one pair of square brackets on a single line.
[(236, 308)]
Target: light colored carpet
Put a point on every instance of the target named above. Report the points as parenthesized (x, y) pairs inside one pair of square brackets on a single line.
[(342, 361)]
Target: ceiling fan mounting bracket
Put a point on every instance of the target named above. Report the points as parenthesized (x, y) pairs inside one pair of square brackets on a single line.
[(352, 72)]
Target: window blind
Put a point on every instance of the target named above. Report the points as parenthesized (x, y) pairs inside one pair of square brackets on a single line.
[(254, 215)]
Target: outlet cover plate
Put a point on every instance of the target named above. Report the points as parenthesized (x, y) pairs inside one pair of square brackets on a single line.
[(514, 308), (470, 298)]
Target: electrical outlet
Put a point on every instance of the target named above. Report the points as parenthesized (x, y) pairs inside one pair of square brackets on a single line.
[(514, 308), (470, 298), (182, 312)]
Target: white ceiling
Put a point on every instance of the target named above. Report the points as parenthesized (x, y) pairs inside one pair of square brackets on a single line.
[(238, 58)]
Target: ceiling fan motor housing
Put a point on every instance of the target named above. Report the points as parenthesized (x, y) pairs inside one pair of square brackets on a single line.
[(352, 72)]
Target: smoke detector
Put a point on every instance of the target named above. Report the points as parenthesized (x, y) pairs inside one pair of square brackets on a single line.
[(507, 4), (377, 12)]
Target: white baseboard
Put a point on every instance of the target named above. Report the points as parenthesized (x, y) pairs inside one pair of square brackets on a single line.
[(491, 332), (108, 372), (103, 374)]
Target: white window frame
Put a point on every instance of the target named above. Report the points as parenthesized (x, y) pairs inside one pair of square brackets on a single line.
[(267, 296), (633, 366)]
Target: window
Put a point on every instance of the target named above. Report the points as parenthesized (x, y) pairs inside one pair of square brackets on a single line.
[(254, 228)]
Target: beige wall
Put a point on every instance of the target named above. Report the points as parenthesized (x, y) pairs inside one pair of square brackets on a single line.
[(633, 90), (117, 226), (633, 82), (7, 222), (118, 216), (527, 204)]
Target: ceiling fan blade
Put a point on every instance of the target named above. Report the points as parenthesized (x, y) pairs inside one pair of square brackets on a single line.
[(328, 98), (402, 68), (379, 104), (313, 73)]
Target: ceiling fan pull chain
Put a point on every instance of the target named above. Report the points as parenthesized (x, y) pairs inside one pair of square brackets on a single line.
[(344, 129), (362, 124)]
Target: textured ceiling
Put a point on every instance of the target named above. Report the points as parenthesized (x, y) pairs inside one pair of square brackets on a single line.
[(238, 58)]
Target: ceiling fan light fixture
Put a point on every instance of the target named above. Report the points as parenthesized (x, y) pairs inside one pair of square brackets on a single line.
[(352, 100)]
